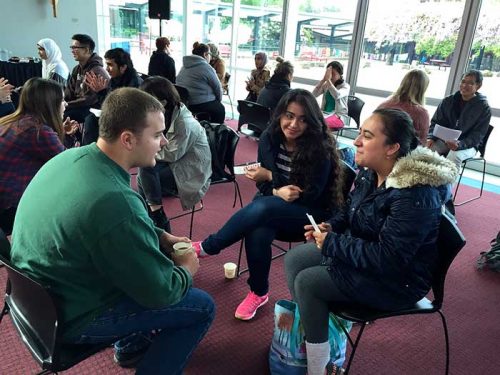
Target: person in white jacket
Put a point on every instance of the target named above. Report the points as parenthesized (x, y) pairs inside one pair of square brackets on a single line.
[(335, 91)]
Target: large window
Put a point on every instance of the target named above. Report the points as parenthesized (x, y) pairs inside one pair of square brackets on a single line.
[(485, 56), (127, 25), (485, 52), (402, 34), (323, 33)]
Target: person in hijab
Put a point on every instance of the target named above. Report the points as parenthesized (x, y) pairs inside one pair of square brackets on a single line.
[(217, 63), (258, 77), (53, 66)]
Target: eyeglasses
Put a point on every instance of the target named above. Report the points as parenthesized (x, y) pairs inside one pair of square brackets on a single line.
[(77, 47), (467, 83)]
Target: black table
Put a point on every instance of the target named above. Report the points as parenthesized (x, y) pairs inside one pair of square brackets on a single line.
[(19, 73)]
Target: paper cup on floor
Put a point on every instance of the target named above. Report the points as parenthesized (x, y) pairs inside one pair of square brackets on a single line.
[(181, 248), (230, 270)]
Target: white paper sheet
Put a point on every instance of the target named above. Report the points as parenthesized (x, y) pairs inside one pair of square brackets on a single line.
[(446, 134), (241, 169)]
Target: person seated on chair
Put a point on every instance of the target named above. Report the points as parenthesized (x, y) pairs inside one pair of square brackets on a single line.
[(466, 110), (278, 85), (258, 77), (205, 89), (380, 248), (300, 173), (161, 63), (218, 64), (183, 166), (410, 97), (6, 106), (78, 95), (335, 93), (29, 137), (120, 67), (89, 238), (53, 66)]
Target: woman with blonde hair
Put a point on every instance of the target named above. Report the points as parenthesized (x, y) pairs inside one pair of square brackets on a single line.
[(29, 137), (410, 97)]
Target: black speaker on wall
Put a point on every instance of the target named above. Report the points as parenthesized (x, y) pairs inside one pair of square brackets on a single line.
[(159, 9)]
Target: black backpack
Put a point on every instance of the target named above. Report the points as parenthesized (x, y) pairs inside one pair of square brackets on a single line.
[(219, 136), (491, 259)]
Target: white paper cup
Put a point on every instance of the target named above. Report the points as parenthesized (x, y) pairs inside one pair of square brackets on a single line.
[(181, 248), (230, 270)]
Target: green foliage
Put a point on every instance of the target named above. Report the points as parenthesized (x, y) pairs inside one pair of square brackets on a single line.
[(264, 3), (307, 36), (432, 47), (269, 34)]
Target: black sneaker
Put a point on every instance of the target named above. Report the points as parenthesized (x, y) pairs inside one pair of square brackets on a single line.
[(130, 359), (160, 219)]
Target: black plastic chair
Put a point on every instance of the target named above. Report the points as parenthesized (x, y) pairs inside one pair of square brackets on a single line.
[(223, 177), (450, 241), (480, 158), (349, 176), (256, 117), (4, 246), (35, 316), (225, 91), (354, 107), (183, 93)]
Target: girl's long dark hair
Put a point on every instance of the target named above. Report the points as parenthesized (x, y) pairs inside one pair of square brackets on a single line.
[(317, 143), (163, 90)]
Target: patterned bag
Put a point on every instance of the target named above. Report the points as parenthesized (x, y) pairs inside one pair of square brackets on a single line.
[(287, 355), (491, 258)]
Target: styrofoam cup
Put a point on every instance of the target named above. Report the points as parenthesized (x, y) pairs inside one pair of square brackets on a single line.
[(230, 270), (181, 248)]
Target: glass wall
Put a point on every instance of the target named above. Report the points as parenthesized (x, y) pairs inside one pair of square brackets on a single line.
[(414, 33), (323, 32), (377, 41)]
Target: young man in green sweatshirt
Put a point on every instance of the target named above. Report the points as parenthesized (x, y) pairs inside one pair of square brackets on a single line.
[(83, 231)]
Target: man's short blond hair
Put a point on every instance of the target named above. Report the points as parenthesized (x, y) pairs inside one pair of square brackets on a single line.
[(126, 109)]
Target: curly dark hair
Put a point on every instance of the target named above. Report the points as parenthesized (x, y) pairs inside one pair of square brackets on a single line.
[(316, 143)]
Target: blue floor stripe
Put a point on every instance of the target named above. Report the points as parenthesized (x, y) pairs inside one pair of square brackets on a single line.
[(477, 184)]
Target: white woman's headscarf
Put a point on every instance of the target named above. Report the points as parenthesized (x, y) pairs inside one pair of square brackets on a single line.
[(54, 62)]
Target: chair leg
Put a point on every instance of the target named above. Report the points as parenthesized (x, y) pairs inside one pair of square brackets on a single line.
[(238, 272), (458, 185), (354, 345), (4, 312), (447, 342), (232, 108), (237, 194)]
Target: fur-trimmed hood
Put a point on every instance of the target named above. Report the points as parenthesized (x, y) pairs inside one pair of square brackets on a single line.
[(422, 167)]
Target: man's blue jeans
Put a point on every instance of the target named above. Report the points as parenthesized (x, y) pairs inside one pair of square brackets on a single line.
[(258, 223), (179, 328)]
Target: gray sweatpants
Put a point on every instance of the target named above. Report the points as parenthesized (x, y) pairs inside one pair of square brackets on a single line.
[(312, 288)]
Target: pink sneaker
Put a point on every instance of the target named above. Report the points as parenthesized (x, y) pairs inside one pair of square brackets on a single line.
[(247, 309), (198, 249)]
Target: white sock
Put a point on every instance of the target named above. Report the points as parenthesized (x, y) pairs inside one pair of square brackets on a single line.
[(318, 356), (202, 252)]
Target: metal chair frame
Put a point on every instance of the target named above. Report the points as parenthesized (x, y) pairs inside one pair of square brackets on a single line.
[(480, 158)]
